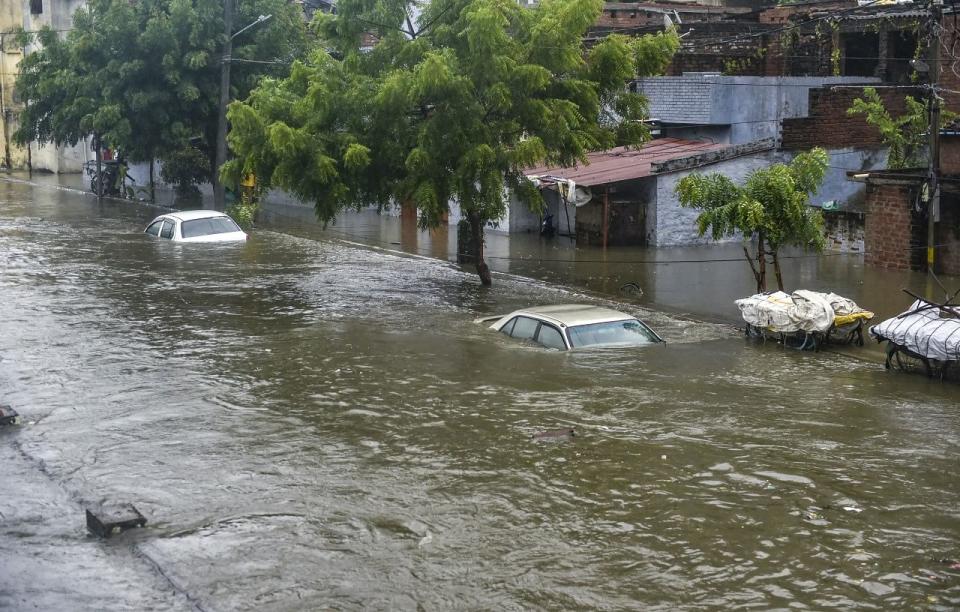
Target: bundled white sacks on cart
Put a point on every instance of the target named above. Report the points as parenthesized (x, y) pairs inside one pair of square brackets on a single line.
[(802, 310), (928, 330)]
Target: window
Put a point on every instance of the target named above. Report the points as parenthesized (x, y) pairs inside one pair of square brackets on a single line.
[(525, 328), (550, 337), (205, 227), (167, 231), (36, 7), (154, 229), (625, 333), (506, 329)]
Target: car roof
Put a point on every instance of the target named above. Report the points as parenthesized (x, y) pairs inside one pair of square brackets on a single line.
[(574, 314), (189, 215)]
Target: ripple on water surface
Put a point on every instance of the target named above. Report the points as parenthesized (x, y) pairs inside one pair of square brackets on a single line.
[(315, 424)]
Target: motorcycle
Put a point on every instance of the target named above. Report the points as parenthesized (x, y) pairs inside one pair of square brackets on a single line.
[(111, 179)]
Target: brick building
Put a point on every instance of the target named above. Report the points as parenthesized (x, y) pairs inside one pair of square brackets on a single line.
[(822, 39)]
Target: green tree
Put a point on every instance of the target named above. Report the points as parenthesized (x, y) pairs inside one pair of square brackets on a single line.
[(455, 109), (144, 75), (772, 205), (906, 135)]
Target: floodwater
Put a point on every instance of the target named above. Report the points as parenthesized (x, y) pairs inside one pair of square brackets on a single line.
[(312, 423)]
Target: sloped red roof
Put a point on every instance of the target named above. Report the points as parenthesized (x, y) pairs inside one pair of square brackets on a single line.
[(622, 164)]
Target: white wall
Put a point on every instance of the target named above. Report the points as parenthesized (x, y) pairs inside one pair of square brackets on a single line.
[(676, 226), (57, 14)]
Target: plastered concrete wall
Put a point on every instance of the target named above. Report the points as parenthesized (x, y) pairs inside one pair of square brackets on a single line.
[(57, 14), (676, 226), (522, 219), (11, 18), (752, 107), (49, 158), (838, 186), (501, 225)]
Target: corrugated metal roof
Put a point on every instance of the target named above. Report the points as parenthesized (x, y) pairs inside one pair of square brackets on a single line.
[(622, 164)]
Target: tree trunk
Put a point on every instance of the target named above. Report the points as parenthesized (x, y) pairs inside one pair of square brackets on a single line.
[(753, 266), (99, 181), (153, 197), (776, 269), (476, 235), (761, 264)]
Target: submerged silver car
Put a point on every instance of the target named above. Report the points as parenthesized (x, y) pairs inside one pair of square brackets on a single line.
[(569, 326), (196, 226)]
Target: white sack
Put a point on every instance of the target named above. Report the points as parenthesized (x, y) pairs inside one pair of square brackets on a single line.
[(802, 310)]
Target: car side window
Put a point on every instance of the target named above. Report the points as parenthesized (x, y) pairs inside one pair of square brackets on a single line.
[(525, 328), (167, 231), (550, 337), (154, 229), (508, 327)]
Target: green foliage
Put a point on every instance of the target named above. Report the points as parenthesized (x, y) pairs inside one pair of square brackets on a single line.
[(906, 135), (244, 210), (744, 64), (186, 168), (772, 200), (772, 204), (484, 90), (145, 75)]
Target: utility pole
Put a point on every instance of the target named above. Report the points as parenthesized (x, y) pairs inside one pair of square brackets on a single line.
[(218, 193), (4, 111), (933, 170)]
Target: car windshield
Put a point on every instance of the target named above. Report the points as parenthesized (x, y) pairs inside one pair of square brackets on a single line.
[(210, 225), (625, 333)]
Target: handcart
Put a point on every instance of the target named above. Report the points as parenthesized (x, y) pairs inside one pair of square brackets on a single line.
[(925, 338), (804, 320)]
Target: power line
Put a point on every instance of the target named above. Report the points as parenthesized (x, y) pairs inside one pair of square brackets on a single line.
[(766, 32), (706, 81)]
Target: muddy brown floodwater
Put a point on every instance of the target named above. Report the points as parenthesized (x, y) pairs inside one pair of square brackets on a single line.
[(311, 423)]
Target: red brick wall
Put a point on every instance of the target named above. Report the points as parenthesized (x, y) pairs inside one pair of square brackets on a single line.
[(948, 235), (948, 78), (950, 155), (783, 14), (617, 17), (890, 232), (828, 124), (730, 64)]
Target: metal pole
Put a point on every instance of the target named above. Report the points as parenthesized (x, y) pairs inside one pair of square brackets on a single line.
[(99, 182), (606, 214), (218, 192), (3, 108), (933, 172)]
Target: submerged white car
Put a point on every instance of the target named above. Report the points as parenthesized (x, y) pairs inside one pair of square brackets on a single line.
[(569, 326), (196, 226)]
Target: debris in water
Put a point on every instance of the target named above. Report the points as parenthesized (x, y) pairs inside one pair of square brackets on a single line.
[(111, 520), (8, 416), (554, 435)]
